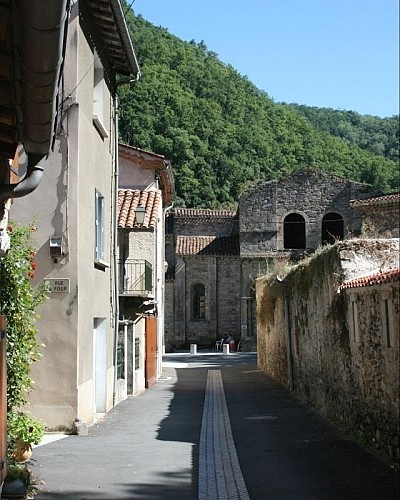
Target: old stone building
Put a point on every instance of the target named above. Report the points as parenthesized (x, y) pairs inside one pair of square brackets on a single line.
[(381, 215), (215, 256)]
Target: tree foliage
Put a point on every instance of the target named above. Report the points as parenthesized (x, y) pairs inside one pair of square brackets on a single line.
[(379, 136), (220, 131)]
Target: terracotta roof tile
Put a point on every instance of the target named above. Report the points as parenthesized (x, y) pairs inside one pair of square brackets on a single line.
[(207, 245), (130, 199), (391, 275), (386, 199), (204, 213)]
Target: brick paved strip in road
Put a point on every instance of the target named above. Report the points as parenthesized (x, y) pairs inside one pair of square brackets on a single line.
[(220, 476)]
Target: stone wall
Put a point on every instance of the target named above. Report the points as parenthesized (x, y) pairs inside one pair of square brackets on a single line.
[(380, 221), (203, 227), (310, 193), (169, 315), (228, 293), (221, 277), (331, 348)]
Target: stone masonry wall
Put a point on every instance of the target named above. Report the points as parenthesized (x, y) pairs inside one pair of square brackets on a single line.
[(306, 341), (203, 270), (380, 221), (228, 296), (310, 193), (203, 227), (221, 277)]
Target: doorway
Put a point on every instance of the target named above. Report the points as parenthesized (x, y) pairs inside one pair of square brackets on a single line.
[(100, 364)]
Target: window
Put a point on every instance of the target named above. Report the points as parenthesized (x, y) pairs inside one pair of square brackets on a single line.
[(99, 87), (294, 232), (99, 227), (387, 322), (354, 330), (198, 301), (332, 228), (121, 355)]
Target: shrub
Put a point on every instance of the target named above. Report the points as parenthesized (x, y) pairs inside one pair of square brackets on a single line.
[(19, 300)]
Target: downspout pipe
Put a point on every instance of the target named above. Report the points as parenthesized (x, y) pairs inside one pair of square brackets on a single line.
[(29, 183), (115, 245), (39, 39)]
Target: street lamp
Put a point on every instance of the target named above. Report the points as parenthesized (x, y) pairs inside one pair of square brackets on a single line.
[(139, 214)]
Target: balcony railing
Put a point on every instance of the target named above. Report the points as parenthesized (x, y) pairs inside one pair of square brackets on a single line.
[(135, 277)]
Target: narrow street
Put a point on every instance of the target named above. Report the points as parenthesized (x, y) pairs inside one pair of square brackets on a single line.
[(213, 427)]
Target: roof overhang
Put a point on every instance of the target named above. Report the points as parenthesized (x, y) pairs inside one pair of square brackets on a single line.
[(147, 160), (109, 19)]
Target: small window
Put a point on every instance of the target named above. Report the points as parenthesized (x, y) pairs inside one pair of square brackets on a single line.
[(99, 87), (354, 330), (99, 227), (121, 355), (387, 322), (198, 301), (294, 232), (137, 353), (332, 228)]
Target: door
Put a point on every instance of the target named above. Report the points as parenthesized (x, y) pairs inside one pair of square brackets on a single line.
[(3, 400), (151, 351), (99, 364)]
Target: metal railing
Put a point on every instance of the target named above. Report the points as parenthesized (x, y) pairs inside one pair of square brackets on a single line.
[(135, 276)]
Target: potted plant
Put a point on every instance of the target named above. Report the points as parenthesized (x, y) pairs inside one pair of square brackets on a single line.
[(23, 431), (19, 482)]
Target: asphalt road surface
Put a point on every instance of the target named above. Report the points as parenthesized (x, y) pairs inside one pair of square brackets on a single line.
[(213, 427)]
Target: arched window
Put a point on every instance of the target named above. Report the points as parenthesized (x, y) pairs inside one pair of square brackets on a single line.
[(332, 228), (198, 301), (294, 231)]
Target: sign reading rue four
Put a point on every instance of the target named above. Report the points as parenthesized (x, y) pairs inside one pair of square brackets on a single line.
[(58, 285)]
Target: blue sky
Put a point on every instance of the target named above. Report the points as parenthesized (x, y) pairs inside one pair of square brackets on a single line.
[(341, 54)]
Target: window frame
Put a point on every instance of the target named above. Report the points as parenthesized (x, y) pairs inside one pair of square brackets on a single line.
[(336, 221), (99, 92), (99, 236), (198, 302), (300, 238), (354, 327), (387, 321)]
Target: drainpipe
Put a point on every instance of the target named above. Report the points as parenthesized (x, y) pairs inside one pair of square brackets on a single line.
[(29, 183), (115, 246), (39, 39)]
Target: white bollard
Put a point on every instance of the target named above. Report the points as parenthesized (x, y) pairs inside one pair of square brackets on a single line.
[(193, 348), (226, 348)]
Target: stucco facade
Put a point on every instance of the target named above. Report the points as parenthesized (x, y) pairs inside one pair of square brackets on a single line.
[(145, 182), (76, 376)]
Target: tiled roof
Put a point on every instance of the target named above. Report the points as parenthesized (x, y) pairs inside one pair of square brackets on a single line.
[(130, 199), (388, 276), (146, 160), (386, 199), (207, 245), (204, 213)]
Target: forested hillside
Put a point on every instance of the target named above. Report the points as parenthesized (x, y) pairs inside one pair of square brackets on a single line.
[(221, 133), (371, 133)]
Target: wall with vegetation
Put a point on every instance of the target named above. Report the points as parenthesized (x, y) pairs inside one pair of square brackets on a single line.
[(304, 341)]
